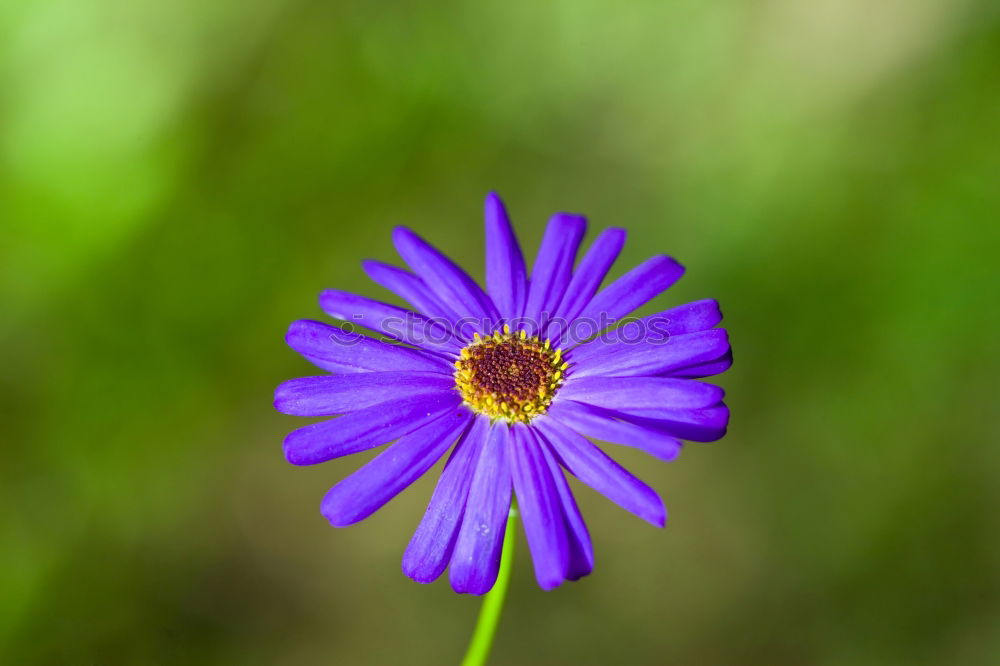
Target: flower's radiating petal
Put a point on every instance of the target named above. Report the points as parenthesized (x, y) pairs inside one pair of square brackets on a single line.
[(699, 370), (540, 507), (506, 275), (449, 283), (553, 268), (586, 279), (630, 291), (365, 429), (432, 544), (603, 425), (476, 559), (697, 425), (336, 350), (593, 467), (688, 318), (627, 393), (368, 489), (411, 289), (394, 322), (649, 358), (580, 560), (659, 327), (336, 394)]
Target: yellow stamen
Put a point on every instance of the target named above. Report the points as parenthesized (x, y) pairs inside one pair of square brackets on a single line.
[(508, 376)]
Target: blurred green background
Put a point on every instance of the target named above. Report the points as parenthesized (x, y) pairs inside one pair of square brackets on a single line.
[(178, 181)]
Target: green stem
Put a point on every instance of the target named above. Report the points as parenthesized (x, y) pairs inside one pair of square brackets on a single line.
[(489, 614)]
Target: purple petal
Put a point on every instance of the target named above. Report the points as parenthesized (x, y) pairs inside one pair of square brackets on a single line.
[(432, 544), (587, 278), (603, 425), (688, 318), (648, 358), (630, 291), (389, 320), (541, 509), (411, 289), (476, 559), (448, 282), (553, 267), (697, 425), (628, 393), (365, 429), (367, 490), (336, 394), (336, 350), (594, 468), (699, 370), (580, 561), (506, 276)]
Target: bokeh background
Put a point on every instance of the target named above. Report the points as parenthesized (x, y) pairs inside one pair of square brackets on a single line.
[(179, 180)]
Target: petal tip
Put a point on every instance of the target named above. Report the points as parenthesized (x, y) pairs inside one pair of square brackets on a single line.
[(402, 235), (660, 518), (571, 219), (464, 581), (670, 262), (418, 569), (293, 330), (292, 452), (549, 584), (280, 403), (328, 295), (419, 578), (336, 514)]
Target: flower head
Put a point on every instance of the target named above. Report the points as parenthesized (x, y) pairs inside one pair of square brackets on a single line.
[(515, 381), (509, 376)]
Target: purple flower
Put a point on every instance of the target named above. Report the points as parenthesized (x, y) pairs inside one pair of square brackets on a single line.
[(515, 381)]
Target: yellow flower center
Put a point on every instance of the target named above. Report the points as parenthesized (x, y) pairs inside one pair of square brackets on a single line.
[(509, 376)]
